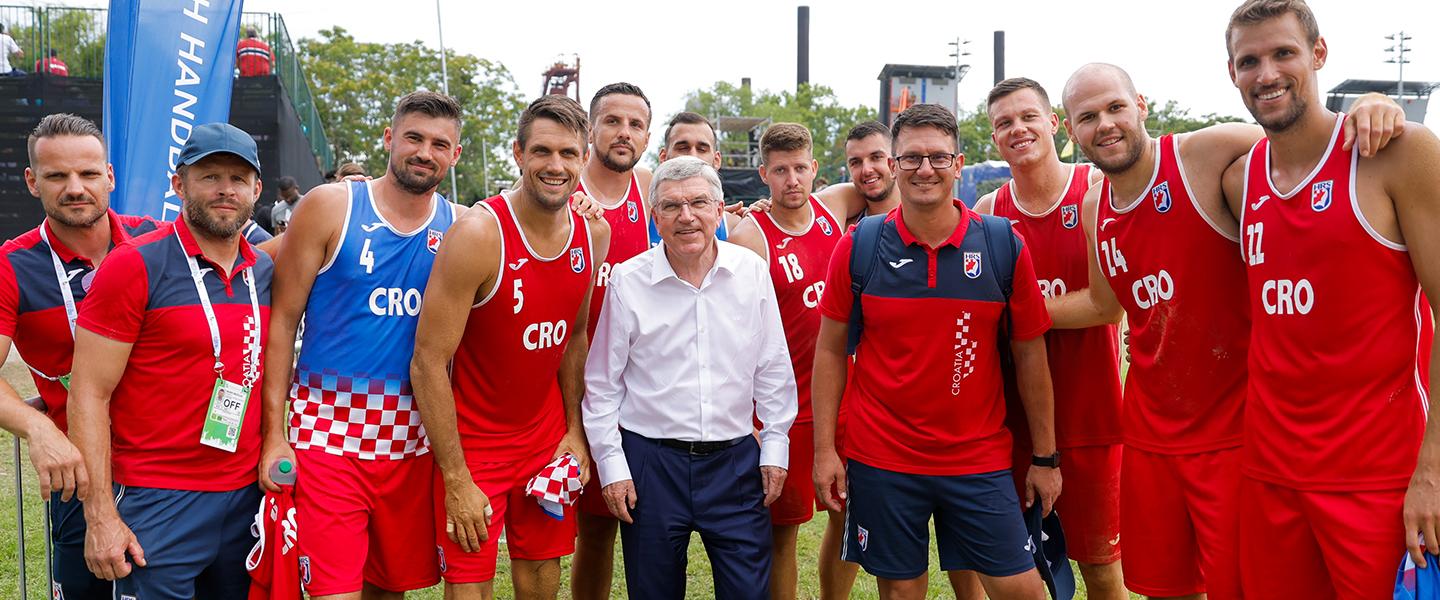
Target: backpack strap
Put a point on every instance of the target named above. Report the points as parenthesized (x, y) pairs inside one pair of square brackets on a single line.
[(864, 252), (1000, 245)]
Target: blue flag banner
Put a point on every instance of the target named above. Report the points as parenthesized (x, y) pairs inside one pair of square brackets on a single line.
[(169, 66)]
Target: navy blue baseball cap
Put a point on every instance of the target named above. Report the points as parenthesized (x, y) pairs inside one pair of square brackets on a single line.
[(211, 138)]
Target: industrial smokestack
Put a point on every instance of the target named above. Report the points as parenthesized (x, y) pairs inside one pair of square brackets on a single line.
[(999, 56), (802, 50)]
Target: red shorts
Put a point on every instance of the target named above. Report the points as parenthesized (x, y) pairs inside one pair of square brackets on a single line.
[(1319, 545), (530, 534), (797, 499), (364, 521), (1180, 521), (1089, 504)]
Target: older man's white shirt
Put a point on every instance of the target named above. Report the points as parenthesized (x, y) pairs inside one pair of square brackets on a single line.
[(670, 361)]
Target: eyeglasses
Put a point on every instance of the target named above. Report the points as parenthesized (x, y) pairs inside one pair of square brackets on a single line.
[(911, 162), (672, 208)]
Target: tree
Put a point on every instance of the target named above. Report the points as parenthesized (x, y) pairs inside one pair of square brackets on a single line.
[(975, 142), (1171, 118), (813, 106), (356, 85)]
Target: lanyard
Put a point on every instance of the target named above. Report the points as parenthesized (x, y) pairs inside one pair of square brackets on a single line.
[(71, 314), (63, 280), (253, 341)]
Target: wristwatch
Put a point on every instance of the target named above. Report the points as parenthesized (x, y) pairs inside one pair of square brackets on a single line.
[(1052, 461)]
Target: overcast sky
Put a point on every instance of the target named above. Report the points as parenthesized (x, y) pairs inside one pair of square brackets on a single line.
[(1173, 50)]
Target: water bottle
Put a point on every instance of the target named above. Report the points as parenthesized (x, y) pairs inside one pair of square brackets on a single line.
[(282, 472)]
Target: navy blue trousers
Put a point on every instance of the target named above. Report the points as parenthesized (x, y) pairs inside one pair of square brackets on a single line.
[(719, 495), (195, 542), (73, 579)]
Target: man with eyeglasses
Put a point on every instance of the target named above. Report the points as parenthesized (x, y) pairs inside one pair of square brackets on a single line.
[(670, 404), (926, 435)]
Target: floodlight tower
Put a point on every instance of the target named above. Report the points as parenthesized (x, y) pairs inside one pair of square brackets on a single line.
[(1399, 50), (961, 50)]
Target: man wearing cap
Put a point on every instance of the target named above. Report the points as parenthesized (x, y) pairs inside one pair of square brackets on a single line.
[(162, 403)]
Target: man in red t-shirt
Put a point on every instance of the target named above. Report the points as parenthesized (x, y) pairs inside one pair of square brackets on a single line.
[(163, 403), (926, 437), (796, 238), (1341, 461), (499, 361), (45, 275), (252, 55), (52, 65)]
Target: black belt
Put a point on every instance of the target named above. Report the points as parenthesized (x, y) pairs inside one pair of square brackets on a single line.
[(699, 448)]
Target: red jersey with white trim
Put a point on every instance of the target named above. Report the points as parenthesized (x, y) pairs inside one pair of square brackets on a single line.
[(1340, 344), (799, 263), (1084, 363), (32, 306), (1182, 285), (926, 396), (507, 397), (629, 236)]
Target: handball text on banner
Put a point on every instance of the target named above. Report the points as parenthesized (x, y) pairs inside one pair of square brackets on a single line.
[(150, 112)]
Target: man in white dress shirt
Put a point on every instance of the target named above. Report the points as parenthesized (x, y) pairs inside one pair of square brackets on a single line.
[(670, 397)]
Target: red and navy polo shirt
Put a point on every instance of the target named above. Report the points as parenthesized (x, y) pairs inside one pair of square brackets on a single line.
[(144, 296), (926, 396), (32, 309)]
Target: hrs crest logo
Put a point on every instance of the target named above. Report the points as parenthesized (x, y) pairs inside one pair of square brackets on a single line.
[(1070, 216), (432, 240), (1161, 195), (577, 259), (632, 211), (972, 265), (1321, 195)]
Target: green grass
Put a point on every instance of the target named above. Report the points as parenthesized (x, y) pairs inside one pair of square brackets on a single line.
[(699, 581)]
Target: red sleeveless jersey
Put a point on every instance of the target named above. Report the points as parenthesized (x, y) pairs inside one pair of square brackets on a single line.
[(1084, 363), (629, 236), (507, 399), (799, 262), (1182, 284), (1340, 347)]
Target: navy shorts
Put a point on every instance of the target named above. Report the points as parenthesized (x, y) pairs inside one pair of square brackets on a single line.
[(73, 579), (978, 525), (195, 542)]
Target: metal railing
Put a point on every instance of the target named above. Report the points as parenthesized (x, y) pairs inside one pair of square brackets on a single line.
[(22, 23), (77, 36), (19, 471), (286, 66)]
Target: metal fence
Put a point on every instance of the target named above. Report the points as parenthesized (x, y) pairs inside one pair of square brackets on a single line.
[(23, 24), (271, 28), (20, 465), (77, 37)]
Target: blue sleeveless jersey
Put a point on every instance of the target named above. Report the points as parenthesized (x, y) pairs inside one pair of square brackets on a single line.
[(351, 394)]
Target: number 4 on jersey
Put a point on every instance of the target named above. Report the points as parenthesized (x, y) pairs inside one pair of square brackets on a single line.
[(1114, 260), (367, 258)]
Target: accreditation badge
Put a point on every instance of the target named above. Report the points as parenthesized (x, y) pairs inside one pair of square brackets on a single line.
[(225, 416), (64, 380)]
